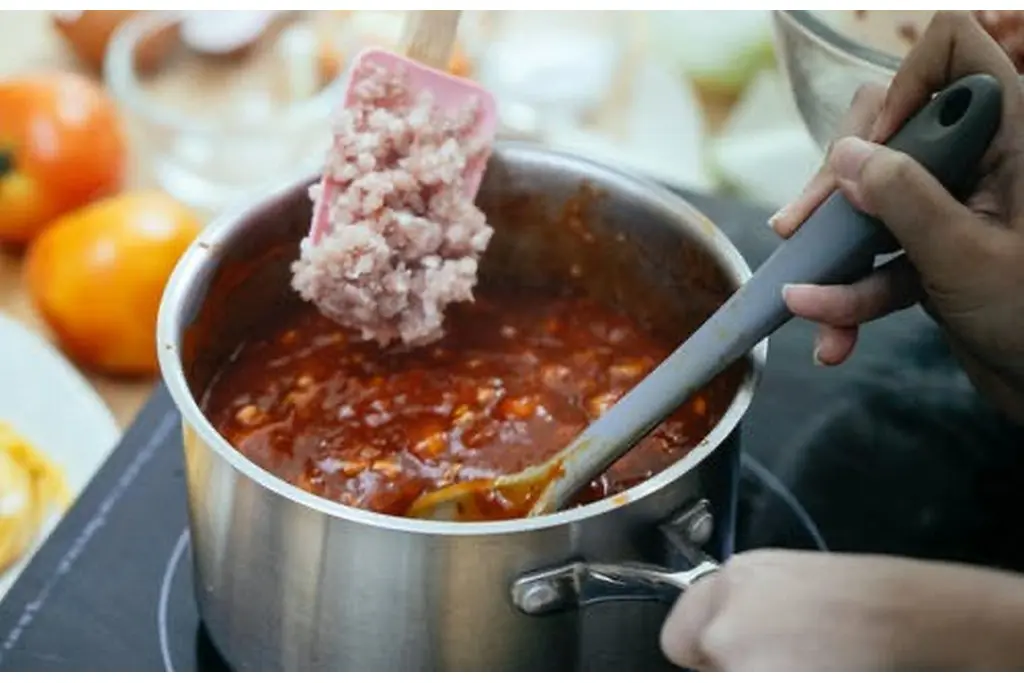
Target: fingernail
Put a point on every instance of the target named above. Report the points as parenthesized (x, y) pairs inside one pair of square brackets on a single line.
[(817, 354), (776, 217), (849, 156), (789, 290)]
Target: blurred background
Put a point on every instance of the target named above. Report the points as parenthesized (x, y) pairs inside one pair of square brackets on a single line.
[(243, 96), (180, 114), (123, 132)]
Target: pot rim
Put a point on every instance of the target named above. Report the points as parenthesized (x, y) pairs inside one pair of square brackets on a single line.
[(201, 259)]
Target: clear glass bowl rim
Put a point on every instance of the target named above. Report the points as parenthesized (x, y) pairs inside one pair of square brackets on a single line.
[(833, 41), (120, 76)]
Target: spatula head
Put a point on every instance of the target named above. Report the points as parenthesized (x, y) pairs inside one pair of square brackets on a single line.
[(450, 93)]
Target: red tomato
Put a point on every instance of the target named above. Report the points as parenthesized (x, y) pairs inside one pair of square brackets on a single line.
[(61, 146)]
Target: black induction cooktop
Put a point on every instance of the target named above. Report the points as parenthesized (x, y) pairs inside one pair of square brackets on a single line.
[(112, 587)]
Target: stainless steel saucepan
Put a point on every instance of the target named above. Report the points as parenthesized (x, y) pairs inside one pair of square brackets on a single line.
[(286, 580)]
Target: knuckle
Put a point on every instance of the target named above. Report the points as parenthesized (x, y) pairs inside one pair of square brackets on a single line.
[(870, 298), (886, 172), (850, 307)]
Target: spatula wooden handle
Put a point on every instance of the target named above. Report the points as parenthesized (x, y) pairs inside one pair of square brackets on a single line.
[(429, 35)]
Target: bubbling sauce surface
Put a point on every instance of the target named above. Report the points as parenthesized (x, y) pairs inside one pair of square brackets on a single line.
[(516, 376)]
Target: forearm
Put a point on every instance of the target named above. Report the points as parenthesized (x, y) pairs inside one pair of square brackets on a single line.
[(998, 641), (969, 619)]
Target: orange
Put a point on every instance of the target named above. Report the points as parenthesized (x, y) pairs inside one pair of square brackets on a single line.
[(97, 274)]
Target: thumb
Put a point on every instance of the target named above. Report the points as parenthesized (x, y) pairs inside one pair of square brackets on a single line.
[(937, 232)]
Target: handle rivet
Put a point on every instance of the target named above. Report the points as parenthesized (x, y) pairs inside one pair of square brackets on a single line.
[(537, 597), (700, 528)]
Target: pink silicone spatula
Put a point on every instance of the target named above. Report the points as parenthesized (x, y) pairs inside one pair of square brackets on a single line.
[(426, 46)]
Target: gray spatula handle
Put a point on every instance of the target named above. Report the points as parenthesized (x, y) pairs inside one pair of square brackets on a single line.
[(836, 244)]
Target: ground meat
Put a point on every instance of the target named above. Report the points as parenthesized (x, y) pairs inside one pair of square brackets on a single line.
[(404, 238)]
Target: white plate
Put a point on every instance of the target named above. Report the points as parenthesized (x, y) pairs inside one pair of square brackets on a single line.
[(49, 403)]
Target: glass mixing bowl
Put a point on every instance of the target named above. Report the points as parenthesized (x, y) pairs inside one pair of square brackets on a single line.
[(824, 68), (826, 55), (214, 129)]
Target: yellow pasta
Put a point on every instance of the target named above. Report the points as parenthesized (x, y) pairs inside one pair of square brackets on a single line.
[(31, 487)]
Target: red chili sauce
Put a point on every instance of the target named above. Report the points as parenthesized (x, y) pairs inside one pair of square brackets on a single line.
[(515, 378)]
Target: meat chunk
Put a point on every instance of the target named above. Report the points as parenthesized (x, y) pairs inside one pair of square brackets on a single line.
[(405, 239)]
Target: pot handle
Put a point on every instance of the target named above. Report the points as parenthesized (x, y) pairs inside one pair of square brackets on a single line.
[(580, 584)]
